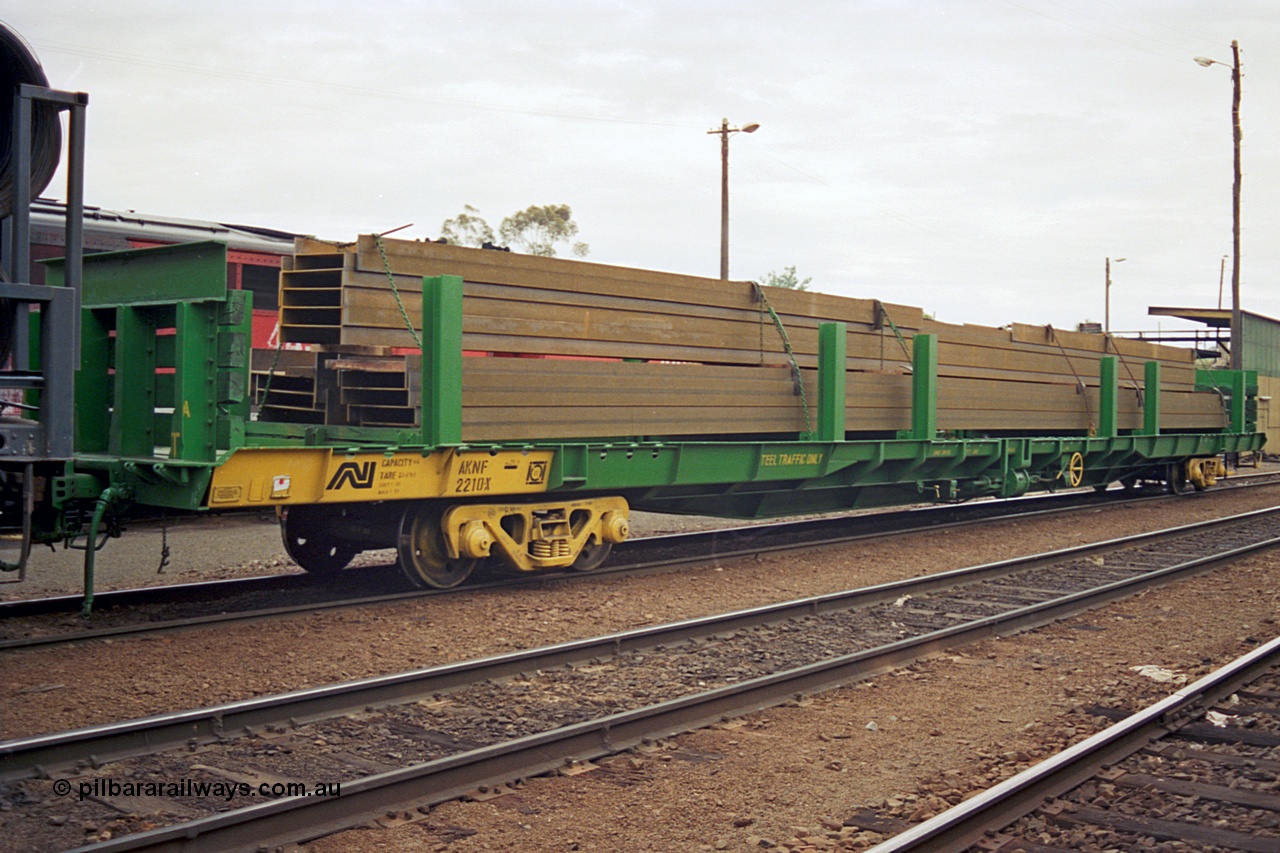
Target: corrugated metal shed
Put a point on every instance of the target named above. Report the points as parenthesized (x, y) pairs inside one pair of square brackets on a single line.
[(107, 230), (1261, 334), (1261, 350)]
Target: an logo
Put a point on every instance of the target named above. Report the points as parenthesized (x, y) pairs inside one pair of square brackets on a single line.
[(537, 474), (358, 474)]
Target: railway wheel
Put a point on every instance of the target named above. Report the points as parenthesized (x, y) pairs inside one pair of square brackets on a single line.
[(423, 558), (592, 555), (1176, 478), (307, 534)]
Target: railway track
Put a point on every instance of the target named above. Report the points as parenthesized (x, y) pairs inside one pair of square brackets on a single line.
[(1196, 768), (397, 744), (35, 623)]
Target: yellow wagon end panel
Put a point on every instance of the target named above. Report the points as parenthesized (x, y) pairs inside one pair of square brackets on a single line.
[(282, 476)]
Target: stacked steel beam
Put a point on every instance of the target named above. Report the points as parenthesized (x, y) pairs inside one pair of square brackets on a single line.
[(578, 349)]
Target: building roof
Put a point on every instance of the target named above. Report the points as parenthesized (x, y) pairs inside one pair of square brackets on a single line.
[(113, 229), (1218, 318)]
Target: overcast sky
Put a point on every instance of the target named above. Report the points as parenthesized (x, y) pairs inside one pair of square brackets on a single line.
[(977, 159)]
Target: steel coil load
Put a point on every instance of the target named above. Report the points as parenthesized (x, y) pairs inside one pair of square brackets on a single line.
[(18, 65)]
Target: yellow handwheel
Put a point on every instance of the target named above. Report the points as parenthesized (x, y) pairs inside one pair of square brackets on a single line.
[(1075, 470)]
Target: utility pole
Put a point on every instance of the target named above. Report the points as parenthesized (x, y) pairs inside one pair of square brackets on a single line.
[(1106, 320), (724, 130), (1237, 336), (1237, 331), (1222, 276), (724, 200), (1106, 317)]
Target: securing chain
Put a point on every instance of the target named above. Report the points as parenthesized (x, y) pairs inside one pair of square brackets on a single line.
[(271, 371), (395, 291), (760, 302), (1137, 387), (902, 342), (796, 377), (1080, 386)]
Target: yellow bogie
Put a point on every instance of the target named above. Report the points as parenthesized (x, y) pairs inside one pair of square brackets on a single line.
[(537, 535), (1204, 472)]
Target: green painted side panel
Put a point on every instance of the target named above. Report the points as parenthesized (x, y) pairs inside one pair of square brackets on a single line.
[(235, 355), (1108, 395), (162, 388), (1223, 380), (442, 360), (762, 480), (190, 272), (924, 387), (1239, 401), (1151, 399), (833, 348), (159, 483), (132, 424), (1239, 388), (93, 390), (192, 429)]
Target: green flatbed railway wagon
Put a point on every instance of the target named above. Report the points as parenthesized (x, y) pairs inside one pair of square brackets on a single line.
[(460, 405), (520, 408)]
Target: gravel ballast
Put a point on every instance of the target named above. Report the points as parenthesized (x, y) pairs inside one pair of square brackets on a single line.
[(912, 741)]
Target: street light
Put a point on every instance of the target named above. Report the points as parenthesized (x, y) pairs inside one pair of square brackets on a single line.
[(1106, 321), (724, 130), (1237, 340), (1222, 276)]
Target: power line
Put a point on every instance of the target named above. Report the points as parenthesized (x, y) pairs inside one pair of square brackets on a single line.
[(1096, 33), (340, 88)]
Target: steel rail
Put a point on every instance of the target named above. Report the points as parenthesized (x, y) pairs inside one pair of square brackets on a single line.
[(963, 825), (133, 596), (888, 524), (902, 520), (286, 581), (20, 758), (429, 783), (706, 545), (26, 757)]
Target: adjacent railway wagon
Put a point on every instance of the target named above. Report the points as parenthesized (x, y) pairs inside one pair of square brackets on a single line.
[(461, 404)]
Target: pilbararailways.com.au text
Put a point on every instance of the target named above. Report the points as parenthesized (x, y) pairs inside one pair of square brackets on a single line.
[(108, 787)]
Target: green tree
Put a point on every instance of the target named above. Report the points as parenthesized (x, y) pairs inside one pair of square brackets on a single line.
[(467, 229), (787, 278), (538, 228)]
